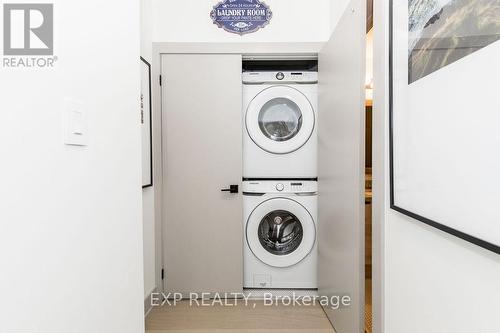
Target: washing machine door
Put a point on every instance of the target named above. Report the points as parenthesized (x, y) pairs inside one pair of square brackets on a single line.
[(280, 119), (280, 232)]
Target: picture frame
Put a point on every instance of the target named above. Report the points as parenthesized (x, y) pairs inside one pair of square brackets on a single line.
[(426, 68), (146, 124)]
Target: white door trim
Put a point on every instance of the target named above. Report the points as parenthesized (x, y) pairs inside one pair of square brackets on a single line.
[(273, 50)]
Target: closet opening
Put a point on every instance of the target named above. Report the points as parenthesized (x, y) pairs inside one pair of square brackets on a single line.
[(250, 144)]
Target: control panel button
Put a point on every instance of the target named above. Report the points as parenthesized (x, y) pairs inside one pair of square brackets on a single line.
[(280, 76), (280, 187)]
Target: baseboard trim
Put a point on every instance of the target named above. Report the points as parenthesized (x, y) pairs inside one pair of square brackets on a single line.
[(147, 302)]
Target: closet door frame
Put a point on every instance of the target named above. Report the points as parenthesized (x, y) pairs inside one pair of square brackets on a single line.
[(259, 50)]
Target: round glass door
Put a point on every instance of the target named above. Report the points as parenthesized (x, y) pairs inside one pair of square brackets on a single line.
[(280, 232), (280, 119)]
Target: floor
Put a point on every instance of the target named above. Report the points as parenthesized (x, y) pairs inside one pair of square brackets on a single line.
[(368, 250), (255, 317), (368, 306)]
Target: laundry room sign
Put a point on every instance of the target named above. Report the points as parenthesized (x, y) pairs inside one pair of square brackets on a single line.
[(241, 16)]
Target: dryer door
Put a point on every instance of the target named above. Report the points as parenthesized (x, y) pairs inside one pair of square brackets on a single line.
[(280, 232), (280, 119)]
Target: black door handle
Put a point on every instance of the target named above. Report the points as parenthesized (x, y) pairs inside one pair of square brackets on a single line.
[(232, 189)]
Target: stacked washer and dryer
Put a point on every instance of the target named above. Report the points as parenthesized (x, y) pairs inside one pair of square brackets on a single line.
[(280, 188)]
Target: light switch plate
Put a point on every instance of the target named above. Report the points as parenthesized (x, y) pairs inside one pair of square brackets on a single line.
[(74, 123)]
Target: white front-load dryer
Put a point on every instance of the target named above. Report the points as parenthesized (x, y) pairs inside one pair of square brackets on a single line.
[(280, 232), (280, 125)]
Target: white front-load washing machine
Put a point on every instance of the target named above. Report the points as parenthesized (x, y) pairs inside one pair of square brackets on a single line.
[(281, 120), (280, 229)]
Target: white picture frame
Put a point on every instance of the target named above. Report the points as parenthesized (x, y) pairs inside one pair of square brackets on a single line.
[(443, 116)]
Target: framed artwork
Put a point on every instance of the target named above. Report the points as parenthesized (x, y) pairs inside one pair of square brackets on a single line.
[(146, 125), (444, 116)]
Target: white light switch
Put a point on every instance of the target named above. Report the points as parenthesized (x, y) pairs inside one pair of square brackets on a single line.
[(74, 123), (77, 122)]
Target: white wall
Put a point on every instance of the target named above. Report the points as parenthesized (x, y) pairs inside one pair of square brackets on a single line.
[(147, 29), (337, 9), (434, 282), (71, 232), (293, 21), (438, 283), (148, 196)]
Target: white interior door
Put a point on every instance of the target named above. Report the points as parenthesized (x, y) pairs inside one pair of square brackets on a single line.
[(202, 154), (341, 169)]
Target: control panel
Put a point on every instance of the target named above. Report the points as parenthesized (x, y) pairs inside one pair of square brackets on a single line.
[(285, 77), (280, 186)]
